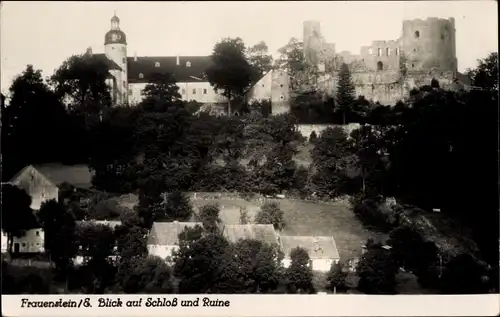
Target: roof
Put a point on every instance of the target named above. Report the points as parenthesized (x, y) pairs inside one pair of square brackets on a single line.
[(147, 66), (29, 169), (317, 247), (260, 232), (167, 233), (102, 58), (76, 175), (110, 223)]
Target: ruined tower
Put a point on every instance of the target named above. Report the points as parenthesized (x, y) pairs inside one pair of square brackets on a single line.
[(313, 42), (429, 45)]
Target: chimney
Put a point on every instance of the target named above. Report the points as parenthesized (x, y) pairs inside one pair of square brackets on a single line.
[(135, 56), (178, 61), (89, 51)]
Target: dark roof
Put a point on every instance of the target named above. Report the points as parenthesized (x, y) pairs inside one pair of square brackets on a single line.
[(107, 61), (115, 37), (167, 64), (76, 175)]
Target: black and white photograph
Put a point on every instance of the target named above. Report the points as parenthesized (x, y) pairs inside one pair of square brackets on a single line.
[(280, 147)]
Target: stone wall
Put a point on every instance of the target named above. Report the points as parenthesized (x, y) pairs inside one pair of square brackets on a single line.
[(307, 129)]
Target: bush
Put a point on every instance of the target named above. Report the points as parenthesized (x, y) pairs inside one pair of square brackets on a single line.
[(313, 137), (271, 214), (373, 211)]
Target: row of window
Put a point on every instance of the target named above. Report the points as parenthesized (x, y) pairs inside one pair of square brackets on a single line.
[(380, 51), (183, 91)]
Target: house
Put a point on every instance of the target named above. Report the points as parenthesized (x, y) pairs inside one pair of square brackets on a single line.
[(322, 250), (33, 241), (260, 232), (164, 237), (42, 182)]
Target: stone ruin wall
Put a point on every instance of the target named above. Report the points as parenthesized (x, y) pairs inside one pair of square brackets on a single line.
[(425, 50)]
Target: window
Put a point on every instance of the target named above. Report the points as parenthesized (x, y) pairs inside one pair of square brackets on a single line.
[(397, 50), (24, 244), (282, 97), (388, 51), (124, 84), (37, 233), (281, 85), (262, 85), (194, 91), (141, 75), (442, 36), (412, 65), (130, 92), (183, 91), (204, 91), (188, 64), (157, 64), (417, 34), (124, 60), (379, 52), (414, 49), (380, 65)]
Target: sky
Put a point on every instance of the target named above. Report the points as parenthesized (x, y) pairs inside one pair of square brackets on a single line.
[(44, 34)]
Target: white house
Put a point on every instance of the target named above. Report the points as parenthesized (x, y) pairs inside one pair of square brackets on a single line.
[(31, 242), (164, 237), (322, 250)]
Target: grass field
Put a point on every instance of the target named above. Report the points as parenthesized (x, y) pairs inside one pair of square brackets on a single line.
[(306, 218)]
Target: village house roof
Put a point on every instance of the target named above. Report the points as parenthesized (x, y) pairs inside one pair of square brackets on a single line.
[(167, 233), (183, 68), (318, 247), (260, 232), (108, 62), (76, 175), (28, 174)]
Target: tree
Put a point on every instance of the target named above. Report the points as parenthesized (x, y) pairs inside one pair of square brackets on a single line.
[(345, 93), (251, 267), (377, 272), (160, 93), (199, 264), (33, 116), (368, 149), (244, 216), (177, 207), (209, 216), (410, 250), (464, 275), (17, 216), (114, 150), (486, 73), (313, 137), (81, 83), (270, 213), (59, 233), (96, 241), (299, 274), (332, 158), (260, 59), (150, 275), (230, 72), (336, 278)]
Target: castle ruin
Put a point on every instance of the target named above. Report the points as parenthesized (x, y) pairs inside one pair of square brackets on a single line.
[(386, 71)]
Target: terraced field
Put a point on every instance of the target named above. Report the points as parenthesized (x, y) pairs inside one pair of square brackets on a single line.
[(305, 218)]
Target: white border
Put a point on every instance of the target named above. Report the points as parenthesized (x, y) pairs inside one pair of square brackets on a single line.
[(269, 305)]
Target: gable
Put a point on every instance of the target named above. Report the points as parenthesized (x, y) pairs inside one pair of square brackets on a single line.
[(36, 185)]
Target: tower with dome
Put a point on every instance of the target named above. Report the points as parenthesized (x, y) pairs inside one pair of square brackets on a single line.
[(115, 49)]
